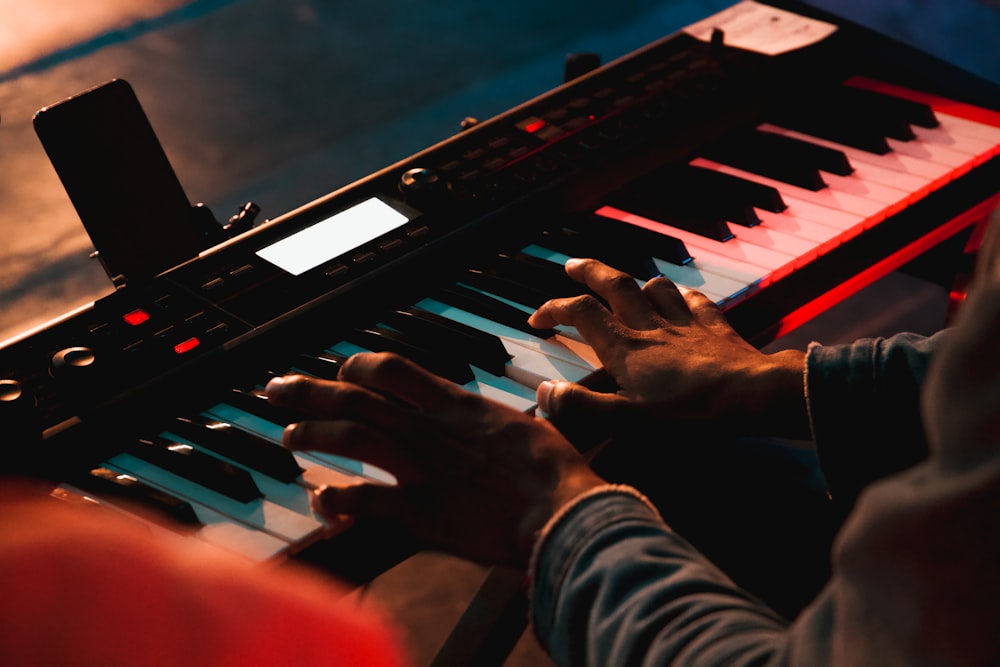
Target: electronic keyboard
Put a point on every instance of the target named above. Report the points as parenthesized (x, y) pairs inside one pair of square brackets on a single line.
[(774, 183)]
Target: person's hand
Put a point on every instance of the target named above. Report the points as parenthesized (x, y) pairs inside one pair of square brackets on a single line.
[(673, 356), (961, 397), (475, 478)]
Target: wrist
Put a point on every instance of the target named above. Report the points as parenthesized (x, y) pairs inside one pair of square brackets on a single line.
[(778, 397)]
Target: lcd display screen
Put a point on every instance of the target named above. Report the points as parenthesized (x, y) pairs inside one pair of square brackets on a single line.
[(339, 234)]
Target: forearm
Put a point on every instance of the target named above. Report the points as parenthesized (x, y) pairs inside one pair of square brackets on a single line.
[(864, 407), (613, 585)]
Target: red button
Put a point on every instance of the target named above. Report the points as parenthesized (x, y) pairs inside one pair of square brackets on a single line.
[(187, 345), (136, 317)]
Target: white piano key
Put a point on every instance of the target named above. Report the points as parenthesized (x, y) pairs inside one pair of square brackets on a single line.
[(341, 467), (830, 196), (958, 161), (858, 186), (533, 359), (718, 288), (937, 173), (216, 530), (261, 514), (801, 250), (293, 495), (823, 238), (962, 134), (735, 253), (848, 224), (485, 384)]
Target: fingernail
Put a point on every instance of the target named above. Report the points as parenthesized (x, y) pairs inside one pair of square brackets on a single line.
[(543, 394), (275, 386), (573, 261)]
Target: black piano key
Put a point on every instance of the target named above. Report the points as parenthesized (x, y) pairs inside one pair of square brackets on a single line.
[(657, 199), (732, 190), (254, 401), (481, 349), (530, 270), (196, 466), (106, 482), (626, 247), (758, 153), (245, 448), (325, 365), (488, 307), (438, 361), (822, 118), (717, 197), (505, 287), (885, 104), (822, 157)]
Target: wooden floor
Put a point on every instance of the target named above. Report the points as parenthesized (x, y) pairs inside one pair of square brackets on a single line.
[(281, 102)]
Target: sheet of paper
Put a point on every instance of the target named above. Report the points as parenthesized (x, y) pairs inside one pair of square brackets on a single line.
[(757, 27)]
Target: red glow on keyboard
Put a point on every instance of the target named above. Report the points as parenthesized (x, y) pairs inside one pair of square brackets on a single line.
[(186, 346), (136, 317)]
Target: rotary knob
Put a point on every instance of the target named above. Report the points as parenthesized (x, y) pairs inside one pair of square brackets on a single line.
[(419, 180), (72, 362), (21, 427)]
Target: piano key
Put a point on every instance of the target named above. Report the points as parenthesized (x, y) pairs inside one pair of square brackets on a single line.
[(734, 253), (853, 116), (504, 287), (210, 527), (960, 134), (106, 482), (718, 288), (958, 161), (533, 359), (939, 174), (717, 195), (382, 339), (254, 400), (710, 185), (887, 104), (528, 270), (183, 460), (488, 308), (822, 237), (259, 513), (324, 365), (828, 125), (780, 158), (829, 196), (630, 253), (849, 224), (654, 199), (248, 418), (498, 388), (242, 447), (481, 349)]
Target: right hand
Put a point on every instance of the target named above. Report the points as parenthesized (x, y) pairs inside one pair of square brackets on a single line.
[(673, 355)]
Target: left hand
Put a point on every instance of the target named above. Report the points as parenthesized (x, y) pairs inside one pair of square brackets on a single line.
[(475, 478)]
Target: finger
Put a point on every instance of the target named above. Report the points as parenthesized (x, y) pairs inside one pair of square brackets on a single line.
[(705, 310), (330, 399), (619, 289), (359, 500), (568, 401), (360, 442), (668, 299), (583, 312), (395, 376)]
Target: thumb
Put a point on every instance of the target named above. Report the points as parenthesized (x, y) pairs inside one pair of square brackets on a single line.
[(585, 417)]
